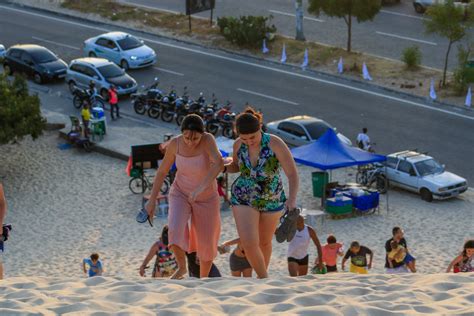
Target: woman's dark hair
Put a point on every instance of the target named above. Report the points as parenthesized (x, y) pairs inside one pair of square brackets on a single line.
[(467, 245), (193, 123), (164, 235), (331, 239), (249, 121)]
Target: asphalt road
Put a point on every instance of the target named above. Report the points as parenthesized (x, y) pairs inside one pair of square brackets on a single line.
[(395, 27), (394, 123)]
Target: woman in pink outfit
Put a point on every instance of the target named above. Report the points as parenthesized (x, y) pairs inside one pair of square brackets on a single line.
[(193, 195)]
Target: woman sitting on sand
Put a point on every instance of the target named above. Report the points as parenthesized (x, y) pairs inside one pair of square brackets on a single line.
[(165, 263), (257, 196), (193, 194), (464, 262)]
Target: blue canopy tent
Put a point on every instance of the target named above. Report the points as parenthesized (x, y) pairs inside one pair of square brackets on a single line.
[(328, 153)]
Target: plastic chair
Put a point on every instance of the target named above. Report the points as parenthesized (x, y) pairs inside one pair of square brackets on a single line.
[(97, 131), (75, 124)]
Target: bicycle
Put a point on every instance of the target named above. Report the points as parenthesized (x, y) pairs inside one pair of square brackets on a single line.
[(141, 181), (373, 174)]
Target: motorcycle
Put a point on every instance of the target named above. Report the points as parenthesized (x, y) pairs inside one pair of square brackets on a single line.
[(81, 96), (147, 99), (168, 106), (227, 125)]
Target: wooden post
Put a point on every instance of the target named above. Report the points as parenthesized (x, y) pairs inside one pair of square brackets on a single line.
[(212, 12), (190, 23)]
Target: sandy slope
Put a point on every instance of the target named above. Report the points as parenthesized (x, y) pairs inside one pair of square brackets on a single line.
[(65, 204)]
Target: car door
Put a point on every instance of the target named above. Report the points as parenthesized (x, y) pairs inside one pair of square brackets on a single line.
[(91, 74), (391, 168), (14, 60), (406, 176), (80, 75), (27, 64), (114, 52), (100, 47)]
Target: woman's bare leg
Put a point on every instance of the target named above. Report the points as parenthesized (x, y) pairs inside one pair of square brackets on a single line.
[(267, 226), (204, 268), (247, 221), (180, 256)]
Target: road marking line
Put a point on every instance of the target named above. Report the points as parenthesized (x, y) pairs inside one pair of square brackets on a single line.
[(406, 38), (55, 43), (292, 15), (169, 71), (282, 71), (405, 15), (267, 96)]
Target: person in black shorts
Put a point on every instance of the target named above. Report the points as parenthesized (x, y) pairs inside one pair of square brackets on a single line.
[(194, 268)]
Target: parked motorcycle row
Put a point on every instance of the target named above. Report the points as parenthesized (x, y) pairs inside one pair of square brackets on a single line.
[(169, 106)]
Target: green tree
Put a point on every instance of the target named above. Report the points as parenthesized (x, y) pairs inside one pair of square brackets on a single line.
[(20, 113), (362, 10), (450, 22)]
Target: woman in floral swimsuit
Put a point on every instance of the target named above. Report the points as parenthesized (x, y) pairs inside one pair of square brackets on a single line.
[(257, 194)]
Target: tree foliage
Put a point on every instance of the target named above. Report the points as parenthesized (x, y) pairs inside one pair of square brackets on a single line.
[(450, 22), (246, 31), (362, 10), (20, 113)]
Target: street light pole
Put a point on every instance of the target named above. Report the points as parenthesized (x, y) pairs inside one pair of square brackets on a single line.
[(299, 20)]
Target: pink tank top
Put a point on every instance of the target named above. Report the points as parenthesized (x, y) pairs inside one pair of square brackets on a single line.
[(330, 254), (191, 172)]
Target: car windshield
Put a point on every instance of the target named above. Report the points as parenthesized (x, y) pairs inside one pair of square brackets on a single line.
[(110, 71), (317, 129), (43, 56), (129, 42), (427, 167)]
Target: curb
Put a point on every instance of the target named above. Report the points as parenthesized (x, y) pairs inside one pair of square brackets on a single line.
[(269, 61), (99, 149)]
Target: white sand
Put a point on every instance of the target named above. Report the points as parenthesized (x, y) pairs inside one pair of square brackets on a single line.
[(65, 204)]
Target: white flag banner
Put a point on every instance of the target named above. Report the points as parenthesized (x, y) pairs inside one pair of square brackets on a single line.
[(468, 98), (340, 66), (432, 90), (305, 59), (265, 49), (365, 72), (283, 55)]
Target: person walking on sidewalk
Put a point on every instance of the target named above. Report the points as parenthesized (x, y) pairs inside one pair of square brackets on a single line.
[(193, 195), (113, 101), (3, 212), (257, 196)]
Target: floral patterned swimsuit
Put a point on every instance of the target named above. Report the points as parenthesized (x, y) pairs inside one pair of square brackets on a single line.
[(259, 187)]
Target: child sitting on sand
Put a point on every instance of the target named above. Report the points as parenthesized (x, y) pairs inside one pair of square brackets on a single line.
[(331, 251), (165, 263), (95, 265), (399, 254), (239, 266), (358, 255), (464, 262)]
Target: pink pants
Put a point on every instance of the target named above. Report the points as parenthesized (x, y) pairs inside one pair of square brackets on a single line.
[(203, 233)]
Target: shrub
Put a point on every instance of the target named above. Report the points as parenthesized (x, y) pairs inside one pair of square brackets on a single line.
[(411, 56), (464, 73), (246, 31)]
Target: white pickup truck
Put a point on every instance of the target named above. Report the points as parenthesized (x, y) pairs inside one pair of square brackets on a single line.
[(422, 174)]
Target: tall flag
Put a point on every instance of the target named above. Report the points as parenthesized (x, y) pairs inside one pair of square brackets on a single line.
[(432, 91), (283, 55), (468, 98), (340, 66), (305, 60), (265, 49), (365, 72)]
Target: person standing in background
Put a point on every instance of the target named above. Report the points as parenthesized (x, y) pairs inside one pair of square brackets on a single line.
[(113, 101)]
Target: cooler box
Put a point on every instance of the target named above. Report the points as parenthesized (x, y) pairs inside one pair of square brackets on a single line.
[(339, 207), (319, 179), (97, 112)]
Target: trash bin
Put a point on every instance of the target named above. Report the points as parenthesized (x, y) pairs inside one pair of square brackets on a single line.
[(320, 179)]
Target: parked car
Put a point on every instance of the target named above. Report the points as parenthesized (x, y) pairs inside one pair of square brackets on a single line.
[(3, 51), (35, 61), (121, 48), (104, 73), (301, 130), (422, 5), (422, 174)]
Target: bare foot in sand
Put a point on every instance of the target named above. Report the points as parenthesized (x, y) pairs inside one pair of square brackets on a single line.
[(179, 274)]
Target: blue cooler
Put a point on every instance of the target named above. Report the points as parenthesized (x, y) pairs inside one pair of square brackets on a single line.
[(98, 112)]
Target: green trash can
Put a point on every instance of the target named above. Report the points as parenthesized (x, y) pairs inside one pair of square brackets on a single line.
[(320, 180)]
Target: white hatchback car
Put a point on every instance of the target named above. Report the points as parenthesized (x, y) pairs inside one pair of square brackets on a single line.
[(124, 49), (422, 174)]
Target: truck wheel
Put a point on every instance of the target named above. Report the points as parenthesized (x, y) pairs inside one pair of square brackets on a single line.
[(426, 195)]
